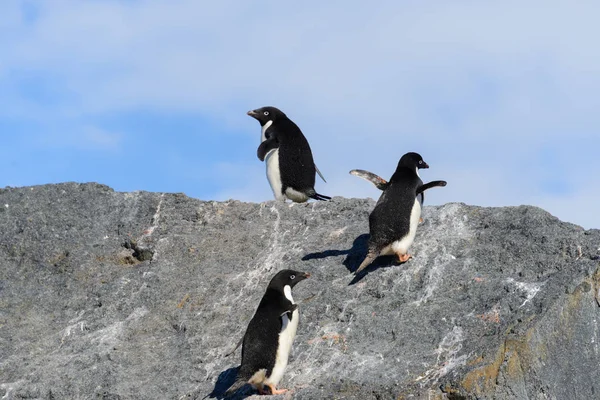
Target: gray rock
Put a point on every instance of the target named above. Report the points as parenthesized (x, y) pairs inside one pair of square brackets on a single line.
[(107, 295)]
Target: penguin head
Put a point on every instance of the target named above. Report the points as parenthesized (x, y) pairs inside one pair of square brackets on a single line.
[(266, 114), (412, 161), (287, 277)]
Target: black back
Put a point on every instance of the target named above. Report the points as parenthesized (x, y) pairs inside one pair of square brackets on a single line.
[(390, 219), (296, 163), (261, 339)]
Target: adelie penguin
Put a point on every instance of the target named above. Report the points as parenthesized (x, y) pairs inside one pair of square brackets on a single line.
[(394, 220), (290, 165), (268, 339)]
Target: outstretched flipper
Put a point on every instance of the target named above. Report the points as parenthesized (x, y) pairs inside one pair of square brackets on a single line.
[(430, 185), (265, 147), (376, 180), (421, 192), (320, 174)]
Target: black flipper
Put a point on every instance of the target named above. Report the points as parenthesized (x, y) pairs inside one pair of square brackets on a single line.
[(266, 146), (430, 185), (376, 180), (290, 310), (236, 347)]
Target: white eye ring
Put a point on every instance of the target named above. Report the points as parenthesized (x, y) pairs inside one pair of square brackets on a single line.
[(266, 113), (421, 162), (292, 276)]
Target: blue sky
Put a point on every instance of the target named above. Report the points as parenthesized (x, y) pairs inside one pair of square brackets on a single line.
[(501, 99)]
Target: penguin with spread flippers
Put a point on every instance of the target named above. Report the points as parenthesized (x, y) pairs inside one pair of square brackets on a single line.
[(268, 339), (290, 166), (393, 222), (382, 184)]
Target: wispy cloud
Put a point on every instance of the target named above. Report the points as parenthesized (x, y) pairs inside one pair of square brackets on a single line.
[(99, 138), (82, 138)]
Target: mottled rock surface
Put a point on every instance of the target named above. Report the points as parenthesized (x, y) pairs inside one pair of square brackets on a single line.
[(107, 295)]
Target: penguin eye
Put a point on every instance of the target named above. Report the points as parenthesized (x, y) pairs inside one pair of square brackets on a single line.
[(266, 113), (292, 276), (421, 162)]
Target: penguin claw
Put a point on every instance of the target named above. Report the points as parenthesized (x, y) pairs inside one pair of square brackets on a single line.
[(404, 258), (421, 220), (273, 390)]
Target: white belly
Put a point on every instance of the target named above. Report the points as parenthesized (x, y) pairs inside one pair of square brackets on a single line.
[(401, 246), (273, 173), (295, 195), (263, 131), (286, 338)]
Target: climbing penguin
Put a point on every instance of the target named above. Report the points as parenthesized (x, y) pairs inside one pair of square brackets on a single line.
[(382, 184), (393, 222), (269, 336), (290, 166)]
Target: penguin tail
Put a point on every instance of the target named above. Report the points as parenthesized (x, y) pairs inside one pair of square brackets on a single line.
[(318, 196), (371, 256)]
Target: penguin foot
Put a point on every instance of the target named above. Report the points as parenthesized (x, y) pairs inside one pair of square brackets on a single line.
[(262, 391), (404, 258), (273, 390), (421, 220)]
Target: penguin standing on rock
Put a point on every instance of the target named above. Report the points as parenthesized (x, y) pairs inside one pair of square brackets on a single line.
[(393, 222), (268, 339), (290, 166)]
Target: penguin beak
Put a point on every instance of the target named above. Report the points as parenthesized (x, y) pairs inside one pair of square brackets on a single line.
[(252, 113), (306, 275), (425, 165)]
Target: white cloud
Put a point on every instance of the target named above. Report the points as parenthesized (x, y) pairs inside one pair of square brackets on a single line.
[(99, 138), (82, 138), (197, 55)]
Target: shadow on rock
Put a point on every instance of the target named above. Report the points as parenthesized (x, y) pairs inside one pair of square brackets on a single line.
[(380, 262), (354, 257), (224, 382)]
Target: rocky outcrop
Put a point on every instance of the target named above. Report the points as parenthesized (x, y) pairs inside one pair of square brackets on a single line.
[(142, 296)]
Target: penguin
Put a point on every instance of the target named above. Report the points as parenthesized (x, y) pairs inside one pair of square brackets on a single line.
[(393, 222), (268, 339), (290, 165)]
